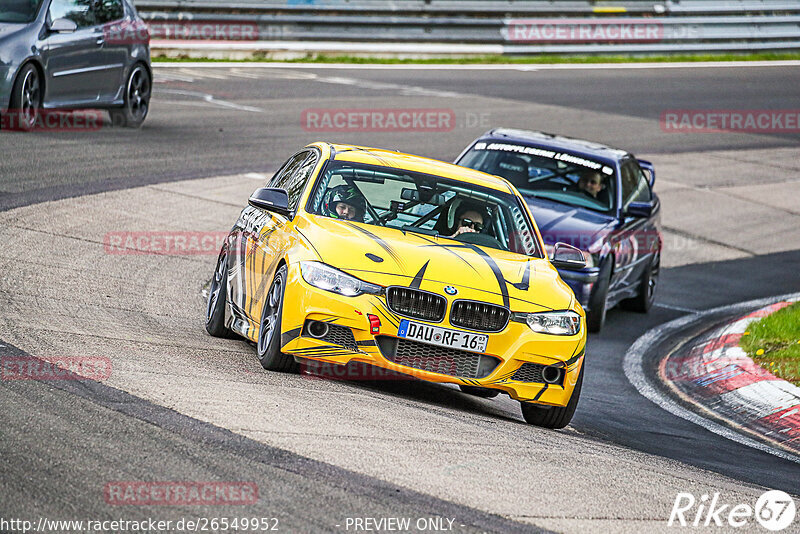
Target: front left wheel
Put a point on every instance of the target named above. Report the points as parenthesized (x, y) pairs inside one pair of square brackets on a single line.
[(269, 332), (138, 88), (554, 416)]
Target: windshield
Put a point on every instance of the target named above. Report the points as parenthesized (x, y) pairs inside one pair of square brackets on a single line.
[(424, 204), (543, 173), (19, 10)]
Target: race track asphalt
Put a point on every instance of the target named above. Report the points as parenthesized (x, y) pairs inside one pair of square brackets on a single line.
[(617, 467)]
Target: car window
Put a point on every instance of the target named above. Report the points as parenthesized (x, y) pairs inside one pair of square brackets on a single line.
[(543, 173), (108, 11), (19, 10), (296, 183), (78, 11), (424, 204), (294, 175), (635, 185)]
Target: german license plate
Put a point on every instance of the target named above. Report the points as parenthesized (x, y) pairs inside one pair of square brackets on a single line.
[(444, 337)]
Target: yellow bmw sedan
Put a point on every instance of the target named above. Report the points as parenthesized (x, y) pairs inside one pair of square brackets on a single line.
[(419, 267)]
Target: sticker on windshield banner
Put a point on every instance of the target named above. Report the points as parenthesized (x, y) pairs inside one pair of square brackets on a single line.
[(543, 153)]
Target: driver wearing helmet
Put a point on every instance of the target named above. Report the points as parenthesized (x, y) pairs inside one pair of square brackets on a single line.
[(345, 202)]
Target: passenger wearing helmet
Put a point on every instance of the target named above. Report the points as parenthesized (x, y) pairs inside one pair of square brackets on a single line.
[(345, 202)]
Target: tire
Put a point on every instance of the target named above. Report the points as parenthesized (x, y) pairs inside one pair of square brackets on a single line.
[(26, 99), (217, 295), (643, 301), (485, 393), (269, 331), (596, 316), (554, 416), (138, 89)]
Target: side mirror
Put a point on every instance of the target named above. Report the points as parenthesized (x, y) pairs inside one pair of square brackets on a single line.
[(567, 257), (271, 199), (640, 209), (63, 26), (650, 169)]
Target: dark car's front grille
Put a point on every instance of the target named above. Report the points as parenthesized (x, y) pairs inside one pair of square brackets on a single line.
[(415, 303), (480, 316), (442, 360)]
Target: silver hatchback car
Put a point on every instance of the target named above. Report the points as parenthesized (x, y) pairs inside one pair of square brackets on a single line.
[(73, 54)]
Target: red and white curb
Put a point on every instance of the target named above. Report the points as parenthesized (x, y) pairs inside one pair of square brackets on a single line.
[(718, 375), (745, 404)]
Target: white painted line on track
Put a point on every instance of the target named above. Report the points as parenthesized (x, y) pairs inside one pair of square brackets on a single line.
[(172, 77), (406, 90), (210, 99), (256, 176), (506, 66), (634, 371), (676, 308)]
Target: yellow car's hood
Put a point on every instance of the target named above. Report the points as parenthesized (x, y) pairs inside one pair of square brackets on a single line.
[(389, 256)]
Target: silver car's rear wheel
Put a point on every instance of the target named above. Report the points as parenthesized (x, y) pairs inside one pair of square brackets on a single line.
[(138, 90)]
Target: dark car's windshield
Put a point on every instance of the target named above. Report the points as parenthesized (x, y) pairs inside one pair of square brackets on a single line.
[(551, 174), (424, 204), (19, 10)]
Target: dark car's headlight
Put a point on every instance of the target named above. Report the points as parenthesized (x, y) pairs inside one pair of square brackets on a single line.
[(556, 323), (325, 277)]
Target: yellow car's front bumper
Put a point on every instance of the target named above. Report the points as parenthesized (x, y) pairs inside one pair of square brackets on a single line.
[(514, 346)]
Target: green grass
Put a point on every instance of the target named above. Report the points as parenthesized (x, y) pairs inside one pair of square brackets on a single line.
[(499, 59), (774, 342)]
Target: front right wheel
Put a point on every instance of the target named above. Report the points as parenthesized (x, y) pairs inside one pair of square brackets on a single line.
[(644, 299), (596, 315), (554, 416)]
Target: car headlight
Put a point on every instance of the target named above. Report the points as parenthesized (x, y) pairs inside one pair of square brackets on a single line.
[(557, 323), (325, 277)]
